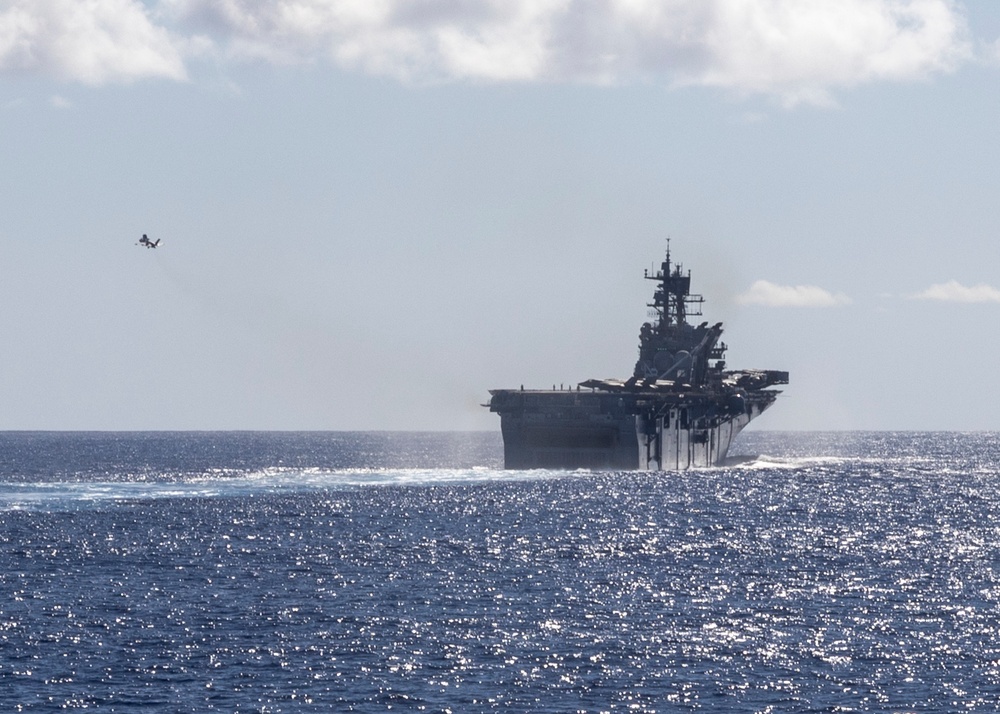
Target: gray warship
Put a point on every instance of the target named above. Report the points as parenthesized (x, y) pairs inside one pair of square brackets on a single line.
[(680, 409)]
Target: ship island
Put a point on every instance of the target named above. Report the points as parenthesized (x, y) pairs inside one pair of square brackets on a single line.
[(680, 409)]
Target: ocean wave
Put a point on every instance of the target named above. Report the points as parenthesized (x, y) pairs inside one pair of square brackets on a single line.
[(48, 495), (763, 461)]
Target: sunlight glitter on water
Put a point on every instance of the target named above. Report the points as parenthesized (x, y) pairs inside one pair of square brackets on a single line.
[(41, 495), (860, 580)]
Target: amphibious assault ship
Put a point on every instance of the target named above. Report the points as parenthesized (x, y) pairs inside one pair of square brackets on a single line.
[(680, 408)]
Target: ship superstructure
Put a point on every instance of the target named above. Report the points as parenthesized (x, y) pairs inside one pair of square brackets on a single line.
[(680, 408)]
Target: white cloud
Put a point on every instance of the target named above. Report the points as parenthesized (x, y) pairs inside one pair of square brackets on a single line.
[(59, 102), (763, 292), (953, 291), (798, 51), (92, 42)]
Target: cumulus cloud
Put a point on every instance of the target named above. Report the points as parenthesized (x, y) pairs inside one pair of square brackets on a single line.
[(798, 51), (763, 292), (954, 291), (93, 42)]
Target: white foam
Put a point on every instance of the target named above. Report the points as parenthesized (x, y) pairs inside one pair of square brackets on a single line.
[(45, 495)]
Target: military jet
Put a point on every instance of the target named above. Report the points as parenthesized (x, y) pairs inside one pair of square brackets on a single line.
[(147, 242)]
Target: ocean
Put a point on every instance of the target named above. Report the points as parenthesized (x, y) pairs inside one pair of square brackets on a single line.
[(375, 572)]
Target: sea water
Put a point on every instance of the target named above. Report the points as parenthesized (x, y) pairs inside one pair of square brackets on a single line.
[(373, 572)]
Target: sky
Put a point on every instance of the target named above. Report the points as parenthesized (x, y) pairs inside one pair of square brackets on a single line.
[(371, 212)]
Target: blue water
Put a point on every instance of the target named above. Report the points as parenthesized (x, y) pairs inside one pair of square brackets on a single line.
[(372, 572)]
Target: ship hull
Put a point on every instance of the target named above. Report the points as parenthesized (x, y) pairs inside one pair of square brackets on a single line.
[(566, 430), (665, 445), (610, 431)]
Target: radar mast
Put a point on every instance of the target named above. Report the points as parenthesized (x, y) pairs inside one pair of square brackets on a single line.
[(673, 301)]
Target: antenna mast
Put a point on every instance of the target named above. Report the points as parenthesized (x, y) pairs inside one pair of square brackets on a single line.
[(673, 300)]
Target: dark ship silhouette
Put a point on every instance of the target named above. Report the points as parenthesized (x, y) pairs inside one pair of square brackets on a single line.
[(680, 408)]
